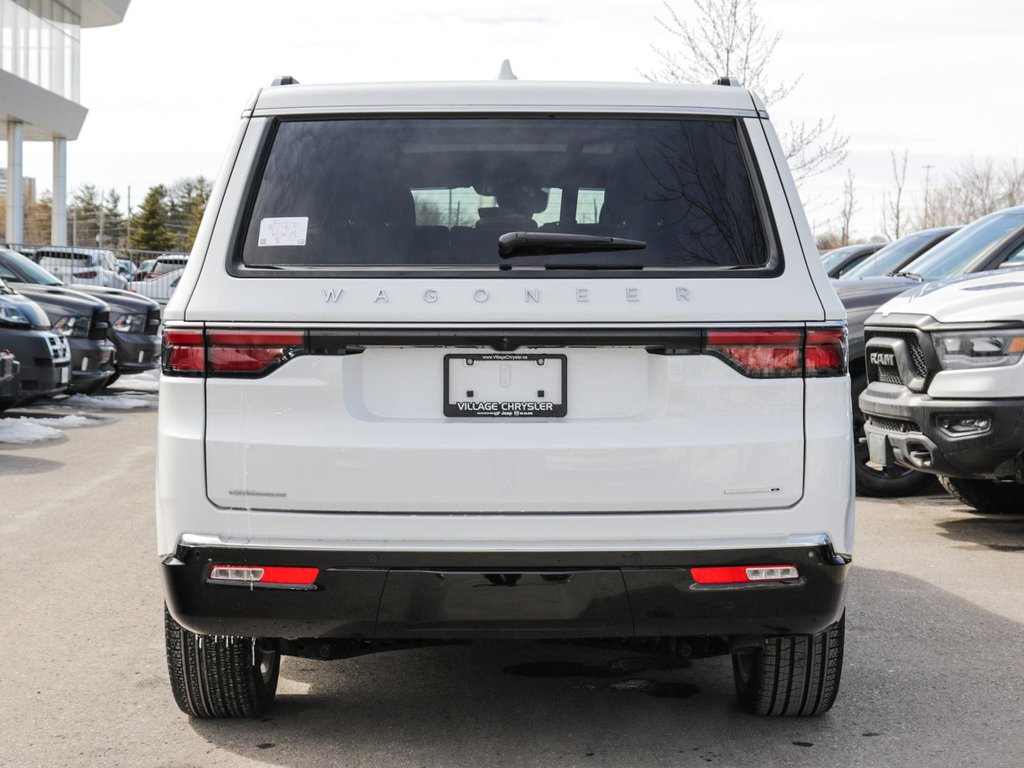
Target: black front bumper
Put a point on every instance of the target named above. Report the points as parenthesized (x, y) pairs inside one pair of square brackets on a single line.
[(136, 352), (903, 427), (92, 363), (458, 595)]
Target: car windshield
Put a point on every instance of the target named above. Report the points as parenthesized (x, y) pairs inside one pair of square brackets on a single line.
[(439, 192), (834, 258), (30, 269), (892, 257), (955, 254)]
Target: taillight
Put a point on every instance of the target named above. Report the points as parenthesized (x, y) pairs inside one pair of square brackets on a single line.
[(184, 353), (228, 353), (251, 352), (782, 353), (743, 574), (270, 575), (88, 275), (825, 353)]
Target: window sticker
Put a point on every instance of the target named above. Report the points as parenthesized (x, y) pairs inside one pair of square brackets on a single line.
[(283, 231)]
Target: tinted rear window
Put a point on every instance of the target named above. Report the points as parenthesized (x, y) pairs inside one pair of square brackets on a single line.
[(438, 193)]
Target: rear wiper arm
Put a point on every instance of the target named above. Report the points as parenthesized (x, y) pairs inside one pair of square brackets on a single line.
[(911, 275), (513, 244)]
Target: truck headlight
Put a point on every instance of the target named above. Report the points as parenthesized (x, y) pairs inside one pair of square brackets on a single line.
[(979, 349), (72, 325), (129, 323), (12, 315)]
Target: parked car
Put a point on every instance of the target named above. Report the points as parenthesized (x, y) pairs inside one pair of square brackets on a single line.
[(143, 269), (992, 242), (43, 356), (379, 431), (159, 288), (888, 261), (162, 265), (839, 261), (133, 323), (127, 268), (946, 386), (82, 266)]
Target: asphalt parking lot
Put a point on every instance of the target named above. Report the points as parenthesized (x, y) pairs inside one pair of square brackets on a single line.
[(933, 674)]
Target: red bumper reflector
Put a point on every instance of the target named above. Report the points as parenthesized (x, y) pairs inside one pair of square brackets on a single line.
[(743, 574), (264, 574)]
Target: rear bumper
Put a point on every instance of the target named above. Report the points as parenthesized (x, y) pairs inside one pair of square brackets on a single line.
[(920, 442), (453, 595)]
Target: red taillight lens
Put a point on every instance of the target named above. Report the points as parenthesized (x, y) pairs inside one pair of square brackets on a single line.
[(184, 353), (248, 352), (770, 354), (760, 354), (88, 275), (825, 353), (743, 574), (264, 574)]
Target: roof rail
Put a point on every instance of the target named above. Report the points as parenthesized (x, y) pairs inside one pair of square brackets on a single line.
[(506, 73), (733, 82), (284, 80)]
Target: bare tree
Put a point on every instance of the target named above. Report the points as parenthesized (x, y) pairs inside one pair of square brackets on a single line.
[(727, 38), (973, 189), (894, 215), (849, 208)]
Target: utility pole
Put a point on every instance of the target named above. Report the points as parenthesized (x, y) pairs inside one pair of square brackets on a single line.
[(927, 177), (128, 235), (74, 227)]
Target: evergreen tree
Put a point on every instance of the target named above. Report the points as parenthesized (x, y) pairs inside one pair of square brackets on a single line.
[(84, 216), (151, 227), (113, 218)]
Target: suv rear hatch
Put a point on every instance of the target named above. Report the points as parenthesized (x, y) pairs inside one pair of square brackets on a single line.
[(378, 355)]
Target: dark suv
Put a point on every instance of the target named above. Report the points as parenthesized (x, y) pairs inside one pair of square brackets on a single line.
[(43, 355)]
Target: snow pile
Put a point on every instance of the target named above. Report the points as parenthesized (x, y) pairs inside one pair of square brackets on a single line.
[(148, 381), (106, 402), (25, 432), (65, 422)]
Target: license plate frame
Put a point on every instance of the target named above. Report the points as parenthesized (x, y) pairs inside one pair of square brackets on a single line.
[(548, 405)]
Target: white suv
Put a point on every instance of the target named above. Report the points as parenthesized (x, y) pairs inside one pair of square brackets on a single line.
[(82, 266), (518, 360)]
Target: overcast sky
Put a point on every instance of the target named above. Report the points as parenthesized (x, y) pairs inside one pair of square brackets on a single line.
[(164, 88)]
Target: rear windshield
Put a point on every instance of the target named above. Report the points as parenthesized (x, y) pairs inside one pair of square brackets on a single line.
[(438, 193), (954, 255), (893, 256)]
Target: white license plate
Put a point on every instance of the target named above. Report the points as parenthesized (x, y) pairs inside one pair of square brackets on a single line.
[(877, 448), (64, 373), (503, 385)]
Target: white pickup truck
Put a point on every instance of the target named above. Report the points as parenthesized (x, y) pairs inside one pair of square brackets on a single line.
[(945, 394)]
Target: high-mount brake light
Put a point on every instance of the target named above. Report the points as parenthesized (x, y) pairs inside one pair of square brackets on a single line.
[(271, 575), (743, 574), (781, 353)]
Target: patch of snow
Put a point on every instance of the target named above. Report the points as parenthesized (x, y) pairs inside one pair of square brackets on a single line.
[(24, 432), (106, 402), (66, 422), (147, 381)]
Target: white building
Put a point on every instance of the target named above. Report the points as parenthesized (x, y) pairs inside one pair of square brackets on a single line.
[(39, 100)]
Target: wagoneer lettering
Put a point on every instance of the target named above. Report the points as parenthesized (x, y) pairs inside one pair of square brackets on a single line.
[(486, 365)]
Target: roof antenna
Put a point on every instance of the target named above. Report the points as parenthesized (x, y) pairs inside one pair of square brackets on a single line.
[(506, 73)]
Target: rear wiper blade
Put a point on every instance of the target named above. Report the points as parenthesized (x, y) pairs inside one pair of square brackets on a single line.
[(911, 275), (513, 244)]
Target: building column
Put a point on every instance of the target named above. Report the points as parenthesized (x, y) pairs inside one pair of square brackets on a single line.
[(59, 207), (15, 183)]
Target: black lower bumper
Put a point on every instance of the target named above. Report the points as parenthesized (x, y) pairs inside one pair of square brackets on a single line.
[(458, 595), (136, 352), (92, 363), (912, 429)]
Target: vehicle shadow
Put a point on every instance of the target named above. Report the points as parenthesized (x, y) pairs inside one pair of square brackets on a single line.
[(26, 465), (905, 699), (1003, 533)]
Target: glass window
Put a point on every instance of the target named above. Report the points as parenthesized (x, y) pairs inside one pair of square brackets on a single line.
[(440, 191), (954, 255)]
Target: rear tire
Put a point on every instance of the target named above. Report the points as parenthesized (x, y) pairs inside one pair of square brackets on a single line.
[(792, 675), (884, 482), (218, 676), (987, 496)]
